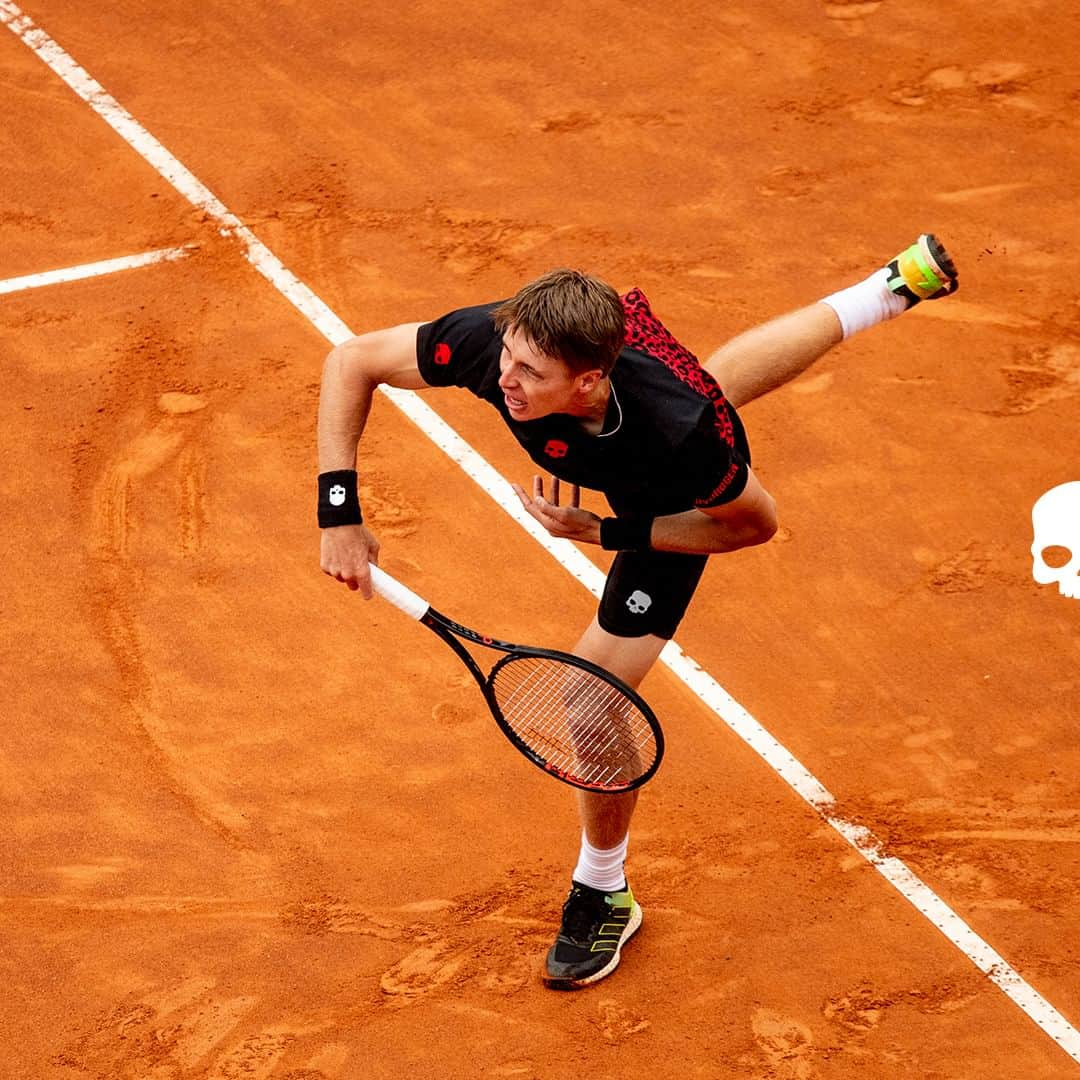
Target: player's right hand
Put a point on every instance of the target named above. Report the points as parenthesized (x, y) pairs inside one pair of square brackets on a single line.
[(347, 552)]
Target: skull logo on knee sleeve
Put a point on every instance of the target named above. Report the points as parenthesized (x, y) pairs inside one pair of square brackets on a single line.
[(1056, 521), (639, 602)]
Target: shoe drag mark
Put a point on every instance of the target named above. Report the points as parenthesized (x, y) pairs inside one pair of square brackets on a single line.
[(524, 1069), (186, 1030), (860, 1011), (145, 453), (1040, 375), (663, 868), (255, 1056), (616, 1023), (192, 485), (311, 206), (1003, 81), (86, 875), (166, 1036), (850, 16), (979, 194), (789, 182), (965, 571), (331, 915), (993, 858), (427, 968), (500, 960), (463, 242), (170, 437), (931, 753), (851, 12), (786, 1044), (491, 939), (1015, 745)]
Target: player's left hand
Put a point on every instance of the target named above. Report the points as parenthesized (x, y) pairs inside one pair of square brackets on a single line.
[(569, 522)]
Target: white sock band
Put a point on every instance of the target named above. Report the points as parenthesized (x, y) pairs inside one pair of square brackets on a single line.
[(601, 868), (866, 304)]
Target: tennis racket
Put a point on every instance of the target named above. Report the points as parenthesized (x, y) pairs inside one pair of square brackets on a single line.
[(576, 721)]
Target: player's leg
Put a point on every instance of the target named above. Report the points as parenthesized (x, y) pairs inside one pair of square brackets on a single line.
[(769, 355), (772, 354), (600, 914), (645, 598), (606, 818)]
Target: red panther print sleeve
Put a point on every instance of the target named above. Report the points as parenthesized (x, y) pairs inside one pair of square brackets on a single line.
[(713, 452)]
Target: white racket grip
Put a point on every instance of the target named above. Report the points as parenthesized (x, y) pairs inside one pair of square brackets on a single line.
[(391, 589)]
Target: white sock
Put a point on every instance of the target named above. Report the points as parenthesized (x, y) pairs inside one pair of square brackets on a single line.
[(601, 868), (866, 304)]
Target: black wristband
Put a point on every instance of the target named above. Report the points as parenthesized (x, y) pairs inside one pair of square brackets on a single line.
[(339, 503), (631, 533)]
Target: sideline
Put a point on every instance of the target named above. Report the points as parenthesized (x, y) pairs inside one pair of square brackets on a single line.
[(96, 269), (804, 783)]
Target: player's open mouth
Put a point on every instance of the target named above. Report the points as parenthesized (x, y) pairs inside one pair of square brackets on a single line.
[(515, 404)]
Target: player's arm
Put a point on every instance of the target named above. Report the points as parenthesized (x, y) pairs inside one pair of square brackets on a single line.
[(745, 521), (351, 373)]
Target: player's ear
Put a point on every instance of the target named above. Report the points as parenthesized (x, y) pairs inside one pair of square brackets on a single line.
[(587, 381)]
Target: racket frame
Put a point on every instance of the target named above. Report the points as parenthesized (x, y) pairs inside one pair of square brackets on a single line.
[(453, 632)]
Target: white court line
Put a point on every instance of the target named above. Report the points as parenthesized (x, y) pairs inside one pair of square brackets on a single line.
[(96, 269), (917, 892)]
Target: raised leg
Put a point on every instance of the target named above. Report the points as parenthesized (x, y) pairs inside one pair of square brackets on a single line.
[(767, 356), (772, 354)]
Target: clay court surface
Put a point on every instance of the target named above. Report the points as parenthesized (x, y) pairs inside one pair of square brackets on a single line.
[(256, 827)]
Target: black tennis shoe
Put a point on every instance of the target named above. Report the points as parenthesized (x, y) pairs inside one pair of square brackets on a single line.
[(595, 926)]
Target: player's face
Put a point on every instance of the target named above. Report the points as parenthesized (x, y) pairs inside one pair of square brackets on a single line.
[(535, 385)]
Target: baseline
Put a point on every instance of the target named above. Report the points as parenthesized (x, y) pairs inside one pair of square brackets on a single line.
[(96, 269)]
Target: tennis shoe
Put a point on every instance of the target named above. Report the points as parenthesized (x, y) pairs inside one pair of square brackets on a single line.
[(924, 271), (595, 926)]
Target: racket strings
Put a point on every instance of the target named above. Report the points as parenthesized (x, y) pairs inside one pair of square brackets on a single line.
[(583, 726)]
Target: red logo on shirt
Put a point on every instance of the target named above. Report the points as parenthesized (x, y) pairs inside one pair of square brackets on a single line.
[(442, 353), (556, 448)]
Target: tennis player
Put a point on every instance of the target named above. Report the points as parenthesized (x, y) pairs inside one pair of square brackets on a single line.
[(602, 396)]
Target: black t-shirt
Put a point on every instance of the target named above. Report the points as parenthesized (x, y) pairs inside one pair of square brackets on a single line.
[(670, 441)]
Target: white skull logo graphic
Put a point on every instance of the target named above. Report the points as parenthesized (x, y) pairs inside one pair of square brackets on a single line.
[(1056, 520), (639, 602), (337, 495)]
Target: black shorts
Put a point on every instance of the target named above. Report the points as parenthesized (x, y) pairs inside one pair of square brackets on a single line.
[(648, 592)]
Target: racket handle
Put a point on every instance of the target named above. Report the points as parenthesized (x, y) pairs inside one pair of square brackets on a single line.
[(391, 589)]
